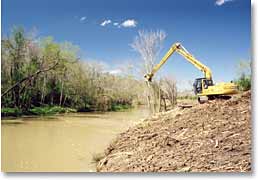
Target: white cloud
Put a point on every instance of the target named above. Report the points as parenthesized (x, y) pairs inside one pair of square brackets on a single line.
[(221, 2), (115, 23), (115, 71), (106, 22), (129, 23), (83, 18)]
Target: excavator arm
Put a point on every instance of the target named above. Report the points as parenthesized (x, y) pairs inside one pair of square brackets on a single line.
[(177, 47)]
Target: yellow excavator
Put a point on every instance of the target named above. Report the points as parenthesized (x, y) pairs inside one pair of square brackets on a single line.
[(204, 87)]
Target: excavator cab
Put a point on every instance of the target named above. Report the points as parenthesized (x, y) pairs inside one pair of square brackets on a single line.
[(200, 84)]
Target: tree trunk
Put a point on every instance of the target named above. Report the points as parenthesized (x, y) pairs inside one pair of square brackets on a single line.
[(61, 95), (64, 100)]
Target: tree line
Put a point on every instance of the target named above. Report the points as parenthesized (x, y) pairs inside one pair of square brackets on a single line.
[(39, 72), (42, 73)]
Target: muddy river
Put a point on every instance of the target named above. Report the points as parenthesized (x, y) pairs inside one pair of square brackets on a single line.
[(61, 143)]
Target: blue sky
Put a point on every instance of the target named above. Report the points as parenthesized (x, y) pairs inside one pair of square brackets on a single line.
[(217, 32)]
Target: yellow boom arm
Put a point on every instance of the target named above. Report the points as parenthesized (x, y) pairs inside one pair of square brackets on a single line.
[(177, 47)]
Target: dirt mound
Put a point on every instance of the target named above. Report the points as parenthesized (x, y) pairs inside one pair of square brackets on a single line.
[(215, 136)]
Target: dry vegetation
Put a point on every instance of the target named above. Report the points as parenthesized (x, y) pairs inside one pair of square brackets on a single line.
[(212, 137), (160, 93)]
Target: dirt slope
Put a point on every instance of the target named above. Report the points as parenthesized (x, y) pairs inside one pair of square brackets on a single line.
[(209, 137)]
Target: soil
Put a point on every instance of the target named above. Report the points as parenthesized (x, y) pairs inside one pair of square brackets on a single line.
[(210, 137)]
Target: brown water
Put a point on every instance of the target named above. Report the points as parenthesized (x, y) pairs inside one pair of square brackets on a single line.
[(61, 143)]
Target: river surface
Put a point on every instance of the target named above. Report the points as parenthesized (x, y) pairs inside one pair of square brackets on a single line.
[(62, 143)]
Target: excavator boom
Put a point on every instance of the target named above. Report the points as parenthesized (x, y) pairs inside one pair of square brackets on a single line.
[(177, 47)]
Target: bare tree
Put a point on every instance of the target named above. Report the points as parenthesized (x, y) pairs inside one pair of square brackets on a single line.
[(149, 44), (244, 67), (169, 90)]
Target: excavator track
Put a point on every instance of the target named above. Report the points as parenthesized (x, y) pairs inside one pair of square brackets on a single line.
[(204, 99)]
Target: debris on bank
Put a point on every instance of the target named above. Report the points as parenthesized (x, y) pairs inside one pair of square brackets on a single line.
[(210, 137)]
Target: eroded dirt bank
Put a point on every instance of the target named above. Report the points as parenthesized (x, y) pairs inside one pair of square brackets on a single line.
[(215, 136)]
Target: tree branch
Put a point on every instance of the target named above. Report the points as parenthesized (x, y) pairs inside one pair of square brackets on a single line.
[(29, 77)]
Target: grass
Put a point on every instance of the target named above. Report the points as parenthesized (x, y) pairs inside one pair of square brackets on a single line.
[(11, 112), (44, 110), (50, 110), (120, 107)]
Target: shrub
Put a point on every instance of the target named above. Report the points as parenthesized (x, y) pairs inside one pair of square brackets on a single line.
[(49, 110), (11, 112), (244, 83), (120, 107)]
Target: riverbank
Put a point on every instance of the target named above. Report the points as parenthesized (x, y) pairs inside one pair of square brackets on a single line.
[(52, 110), (46, 110), (211, 137)]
